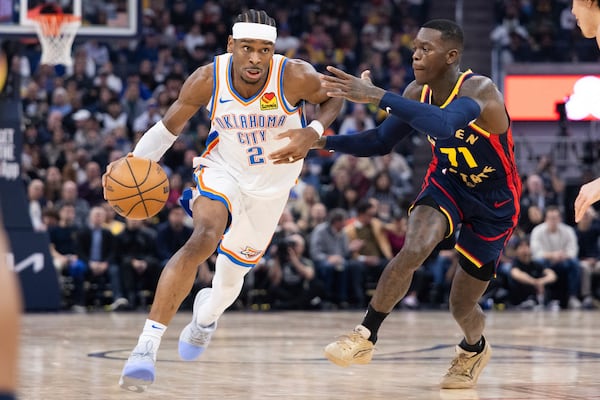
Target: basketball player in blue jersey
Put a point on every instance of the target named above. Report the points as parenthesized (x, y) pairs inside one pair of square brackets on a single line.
[(472, 181), (587, 13), (254, 155)]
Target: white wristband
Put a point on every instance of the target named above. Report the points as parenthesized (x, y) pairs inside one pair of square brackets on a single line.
[(155, 142), (317, 126)]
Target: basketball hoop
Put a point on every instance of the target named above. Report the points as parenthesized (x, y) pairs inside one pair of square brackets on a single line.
[(56, 32)]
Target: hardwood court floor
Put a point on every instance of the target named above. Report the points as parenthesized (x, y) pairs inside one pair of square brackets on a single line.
[(276, 355)]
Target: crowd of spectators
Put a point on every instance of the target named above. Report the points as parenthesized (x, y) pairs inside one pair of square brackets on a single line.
[(539, 31), (346, 216)]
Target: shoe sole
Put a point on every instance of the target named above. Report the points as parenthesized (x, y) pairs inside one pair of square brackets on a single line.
[(470, 385), (337, 361), (136, 379), (133, 384)]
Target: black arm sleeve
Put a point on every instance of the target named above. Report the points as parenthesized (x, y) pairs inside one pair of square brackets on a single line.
[(373, 142), (432, 120)]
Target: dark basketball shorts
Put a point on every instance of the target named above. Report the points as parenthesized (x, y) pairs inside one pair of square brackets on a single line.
[(485, 218)]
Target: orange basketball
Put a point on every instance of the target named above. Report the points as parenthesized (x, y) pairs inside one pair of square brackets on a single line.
[(136, 188)]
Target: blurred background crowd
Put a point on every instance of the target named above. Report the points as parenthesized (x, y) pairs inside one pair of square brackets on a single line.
[(539, 31), (346, 217)]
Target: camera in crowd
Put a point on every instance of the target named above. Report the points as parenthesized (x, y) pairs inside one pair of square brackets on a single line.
[(283, 246)]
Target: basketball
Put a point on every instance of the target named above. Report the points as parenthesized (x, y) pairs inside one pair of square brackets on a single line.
[(136, 188)]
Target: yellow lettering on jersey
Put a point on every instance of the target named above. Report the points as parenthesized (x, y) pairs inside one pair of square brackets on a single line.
[(467, 156), (472, 139), (473, 179), (452, 152), (460, 134)]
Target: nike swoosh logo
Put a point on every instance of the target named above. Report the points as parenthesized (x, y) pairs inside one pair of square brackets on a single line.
[(388, 110), (360, 353), (499, 204), (156, 327), (224, 101), (474, 366)]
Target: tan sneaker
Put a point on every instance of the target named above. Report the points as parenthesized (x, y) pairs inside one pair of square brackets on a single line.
[(354, 348), (466, 368)]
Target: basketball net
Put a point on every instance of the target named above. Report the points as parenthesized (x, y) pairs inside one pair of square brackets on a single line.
[(56, 33)]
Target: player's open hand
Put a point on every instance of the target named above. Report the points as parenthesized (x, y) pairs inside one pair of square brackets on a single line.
[(588, 195), (301, 141), (109, 167), (358, 90)]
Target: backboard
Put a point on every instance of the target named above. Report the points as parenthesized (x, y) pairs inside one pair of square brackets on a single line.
[(100, 18)]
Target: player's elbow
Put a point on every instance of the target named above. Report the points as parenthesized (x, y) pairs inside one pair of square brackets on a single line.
[(445, 132)]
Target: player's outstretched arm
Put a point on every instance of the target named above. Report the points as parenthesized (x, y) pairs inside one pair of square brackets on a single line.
[(373, 142), (425, 118), (588, 195)]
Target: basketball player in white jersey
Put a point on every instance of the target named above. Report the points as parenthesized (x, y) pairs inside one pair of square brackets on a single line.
[(254, 156), (587, 13)]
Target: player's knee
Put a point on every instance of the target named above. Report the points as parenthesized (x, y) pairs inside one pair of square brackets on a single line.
[(415, 253), (229, 279), (231, 287), (202, 243)]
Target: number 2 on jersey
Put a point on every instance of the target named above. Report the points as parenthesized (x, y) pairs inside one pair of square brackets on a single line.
[(452, 152), (255, 155)]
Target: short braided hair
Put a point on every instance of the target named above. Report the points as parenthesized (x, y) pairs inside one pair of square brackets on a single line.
[(256, 17)]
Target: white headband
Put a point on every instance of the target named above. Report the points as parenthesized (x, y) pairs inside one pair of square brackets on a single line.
[(251, 30)]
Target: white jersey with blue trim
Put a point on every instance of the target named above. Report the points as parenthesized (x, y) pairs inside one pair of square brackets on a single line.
[(243, 130)]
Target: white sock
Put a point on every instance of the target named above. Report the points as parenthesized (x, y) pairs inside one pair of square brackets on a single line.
[(363, 330), (152, 333)]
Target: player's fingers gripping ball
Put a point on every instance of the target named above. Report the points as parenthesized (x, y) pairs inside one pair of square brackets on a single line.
[(136, 188)]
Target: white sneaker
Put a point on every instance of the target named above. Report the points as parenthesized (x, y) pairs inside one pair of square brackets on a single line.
[(194, 338), (138, 372)]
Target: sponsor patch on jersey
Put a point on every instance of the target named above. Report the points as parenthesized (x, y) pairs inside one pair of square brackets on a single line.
[(268, 101)]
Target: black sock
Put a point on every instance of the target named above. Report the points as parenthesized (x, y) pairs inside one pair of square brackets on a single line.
[(473, 348), (372, 322)]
